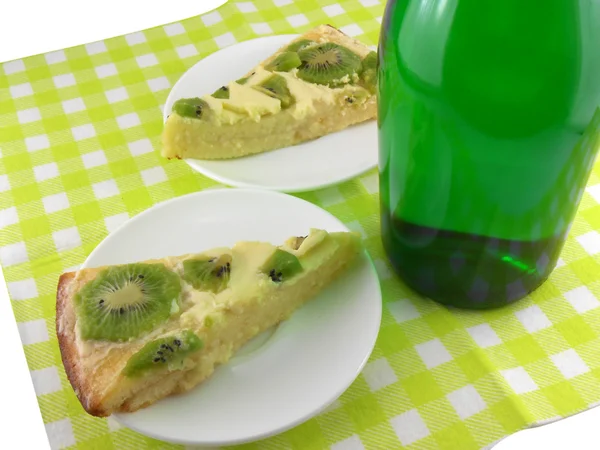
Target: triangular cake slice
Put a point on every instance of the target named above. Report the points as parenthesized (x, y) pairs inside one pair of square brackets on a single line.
[(132, 334), (320, 83)]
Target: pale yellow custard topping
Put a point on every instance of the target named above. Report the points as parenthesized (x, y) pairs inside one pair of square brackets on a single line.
[(247, 102)]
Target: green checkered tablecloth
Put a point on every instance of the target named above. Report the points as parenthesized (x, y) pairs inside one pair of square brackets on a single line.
[(79, 144)]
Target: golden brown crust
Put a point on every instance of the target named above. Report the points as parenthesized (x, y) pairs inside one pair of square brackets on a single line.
[(65, 321)]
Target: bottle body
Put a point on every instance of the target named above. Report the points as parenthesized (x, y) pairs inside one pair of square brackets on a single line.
[(487, 133)]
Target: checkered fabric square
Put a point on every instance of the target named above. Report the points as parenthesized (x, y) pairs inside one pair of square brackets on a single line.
[(79, 155)]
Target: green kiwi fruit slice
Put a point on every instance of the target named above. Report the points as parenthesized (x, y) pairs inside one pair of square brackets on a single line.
[(190, 107), (282, 266), (369, 71), (358, 96), (370, 61), (222, 92), (327, 63), (125, 301), (208, 274), (275, 86), (284, 62), (299, 45), (169, 352), (244, 79)]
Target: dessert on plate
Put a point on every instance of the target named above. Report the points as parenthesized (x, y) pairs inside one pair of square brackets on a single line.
[(320, 83), (132, 334)]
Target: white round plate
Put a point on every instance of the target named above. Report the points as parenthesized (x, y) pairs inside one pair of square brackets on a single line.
[(311, 165), (284, 376)]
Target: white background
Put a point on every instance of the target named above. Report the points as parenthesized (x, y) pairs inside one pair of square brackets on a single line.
[(29, 27)]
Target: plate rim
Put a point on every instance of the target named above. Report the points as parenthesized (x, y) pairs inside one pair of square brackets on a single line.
[(196, 164), (334, 395), (281, 188)]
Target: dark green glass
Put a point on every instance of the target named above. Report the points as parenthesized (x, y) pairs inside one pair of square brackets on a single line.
[(488, 131)]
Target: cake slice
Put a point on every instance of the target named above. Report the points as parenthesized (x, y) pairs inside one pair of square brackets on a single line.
[(322, 82), (132, 334)]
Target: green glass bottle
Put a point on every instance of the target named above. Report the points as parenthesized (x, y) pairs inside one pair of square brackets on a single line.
[(488, 131)]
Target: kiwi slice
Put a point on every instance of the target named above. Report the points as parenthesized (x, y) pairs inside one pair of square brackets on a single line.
[(124, 301), (169, 352), (244, 79), (327, 63), (208, 274), (275, 86), (284, 62), (358, 96), (369, 71), (190, 107), (299, 45), (281, 266), (222, 92), (370, 61)]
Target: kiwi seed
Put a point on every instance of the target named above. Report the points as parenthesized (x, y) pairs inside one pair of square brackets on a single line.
[(222, 92), (358, 96)]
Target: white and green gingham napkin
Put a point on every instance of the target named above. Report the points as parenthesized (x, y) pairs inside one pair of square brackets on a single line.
[(79, 155)]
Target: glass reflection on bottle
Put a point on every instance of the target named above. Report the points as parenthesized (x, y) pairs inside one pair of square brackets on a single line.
[(488, 129)]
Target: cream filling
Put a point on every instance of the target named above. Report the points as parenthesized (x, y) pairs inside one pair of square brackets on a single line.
[(260, 75), (306, 94), (246, 102)]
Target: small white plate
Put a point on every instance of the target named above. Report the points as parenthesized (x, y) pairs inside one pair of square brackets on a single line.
[(311, 165), (285, 375)]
